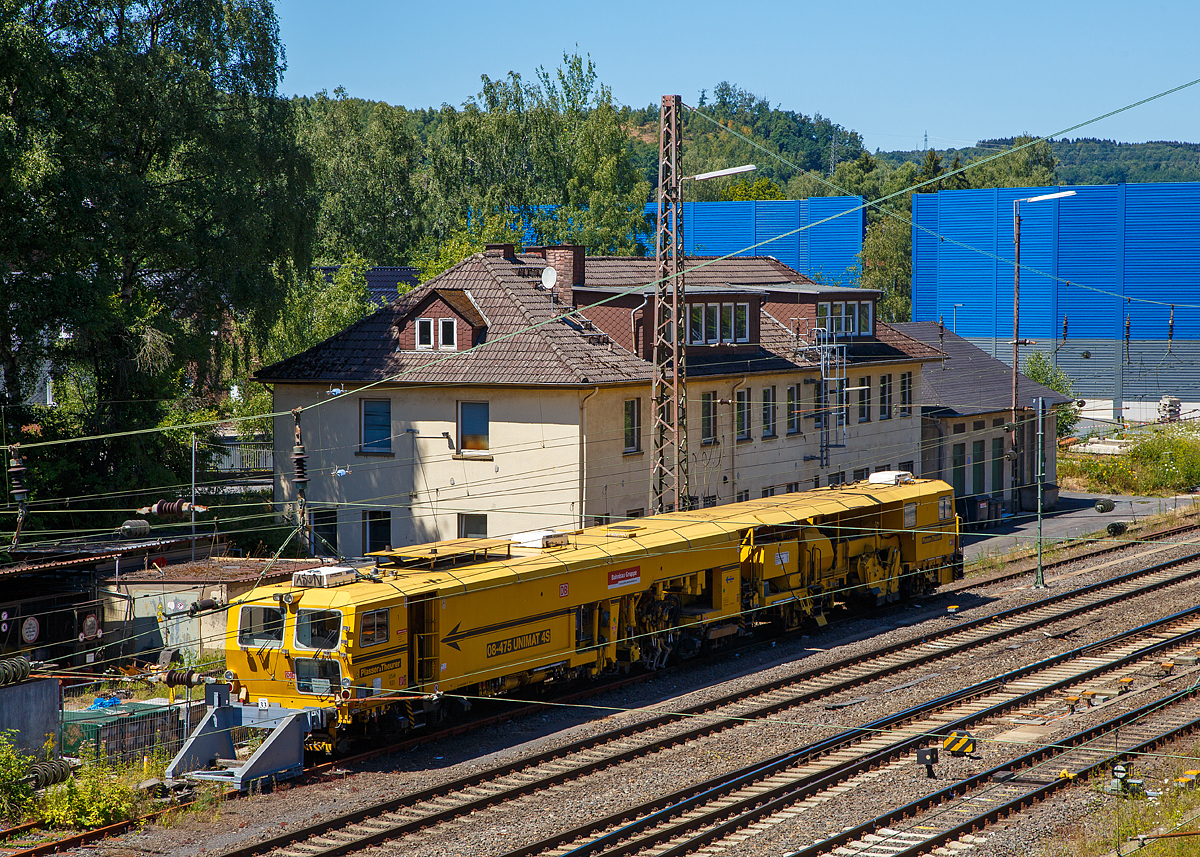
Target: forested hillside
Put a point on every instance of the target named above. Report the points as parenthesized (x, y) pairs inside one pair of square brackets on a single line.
[(1087, 160)]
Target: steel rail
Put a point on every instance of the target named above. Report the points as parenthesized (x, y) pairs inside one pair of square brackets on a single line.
[(1036, 793), (339, 836), (765, 802), (462, 783)]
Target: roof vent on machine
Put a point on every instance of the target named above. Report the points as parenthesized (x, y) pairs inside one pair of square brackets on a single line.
[(323, 578), (891, 477)]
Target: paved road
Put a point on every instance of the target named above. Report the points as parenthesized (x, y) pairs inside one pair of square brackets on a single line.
[(1075, 516)]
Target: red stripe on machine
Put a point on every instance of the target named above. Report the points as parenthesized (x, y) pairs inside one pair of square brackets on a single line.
[(624, 576)]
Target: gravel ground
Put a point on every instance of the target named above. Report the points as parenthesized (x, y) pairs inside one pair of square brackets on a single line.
[(559, 808)]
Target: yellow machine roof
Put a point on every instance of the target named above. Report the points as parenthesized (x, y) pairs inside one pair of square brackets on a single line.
[(714, 527)]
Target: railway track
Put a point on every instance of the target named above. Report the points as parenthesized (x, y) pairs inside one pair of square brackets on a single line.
[(718, 809), (958, 811), (940, 642), (412, 812)]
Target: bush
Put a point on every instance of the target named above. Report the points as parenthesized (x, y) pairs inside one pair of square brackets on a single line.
[(1163, 460), (16, 795), (94, 797)]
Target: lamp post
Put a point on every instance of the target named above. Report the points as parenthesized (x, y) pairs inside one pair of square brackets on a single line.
[(955, 327), (1016, 340)]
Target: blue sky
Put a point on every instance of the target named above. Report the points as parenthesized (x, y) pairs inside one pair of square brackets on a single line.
[(891, 71)]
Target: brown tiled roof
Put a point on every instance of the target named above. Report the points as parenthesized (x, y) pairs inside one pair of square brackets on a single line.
[(460, 301), (529, 340)]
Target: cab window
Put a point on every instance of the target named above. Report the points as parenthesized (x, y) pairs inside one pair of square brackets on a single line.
[(260, 625), (321, 676), (374, 628), (318, 629)]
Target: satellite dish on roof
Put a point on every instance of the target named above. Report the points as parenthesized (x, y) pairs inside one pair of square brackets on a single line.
[(549, 277)]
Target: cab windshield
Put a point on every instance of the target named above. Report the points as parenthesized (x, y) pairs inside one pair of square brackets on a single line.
[(318, 629), (260, 625)]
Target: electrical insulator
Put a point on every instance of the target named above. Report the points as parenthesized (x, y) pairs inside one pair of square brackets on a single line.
[(1064, 327), (300, 465), (16, 478)]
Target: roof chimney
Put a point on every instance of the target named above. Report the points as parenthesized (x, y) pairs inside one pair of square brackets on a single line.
[(505, 250), (567, 261)]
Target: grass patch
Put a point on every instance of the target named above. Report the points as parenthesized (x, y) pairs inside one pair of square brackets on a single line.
[(1161, 460), (1120, 818)]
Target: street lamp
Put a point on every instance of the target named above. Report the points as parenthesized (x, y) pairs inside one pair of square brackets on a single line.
[(955, 327), (729, 171), (1017, 343)]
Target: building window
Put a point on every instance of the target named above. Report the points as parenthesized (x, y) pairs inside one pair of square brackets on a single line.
[(885, 397), (908, 466), (633, 425), (861, 474), (447, 334), (769, 492), (708, 417), (424, 333), (843, 402), (710, 500), (864, 400), (905, 394), (472, 526), (793, 409), (820, 400), (712, 333), (792, 487), (696, 325), (836, 319), (727, 323), (742, 420), (960, 428), (324, 524), (836, 478), (882, 468), (997, 422), (978, 467), (959, 469), (374, 628), (473, 428), (376, 425), (816, 481), (635, 513), (377, 531), (768, 411), (823, 316), (997, 465), (742, 497), (979, 425), (601, 520), (741, 322), (866, 321)]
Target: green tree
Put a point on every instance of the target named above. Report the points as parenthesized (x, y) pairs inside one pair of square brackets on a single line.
[(169, 199), (1039, 368), (364, 158), (886, 265), (549, 158), (317, 307), (762, 188), (1033, 166)]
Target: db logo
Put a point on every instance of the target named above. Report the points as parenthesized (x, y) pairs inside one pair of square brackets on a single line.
[(562, 590)]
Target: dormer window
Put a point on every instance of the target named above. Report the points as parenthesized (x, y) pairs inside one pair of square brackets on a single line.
[(447, 334), (424, 333), (847, 318), (713, 324)]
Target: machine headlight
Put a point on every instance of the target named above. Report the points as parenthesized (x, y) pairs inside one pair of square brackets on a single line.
[(346, 682), (230, 675)]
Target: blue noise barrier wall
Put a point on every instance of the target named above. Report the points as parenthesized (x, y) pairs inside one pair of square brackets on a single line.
[(819, 237)]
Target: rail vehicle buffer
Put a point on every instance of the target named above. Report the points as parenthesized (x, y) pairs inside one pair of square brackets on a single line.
[(928, 757), (209, 752), (959, 743)]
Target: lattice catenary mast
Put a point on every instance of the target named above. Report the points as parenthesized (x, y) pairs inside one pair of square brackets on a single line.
[(669, 478)]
